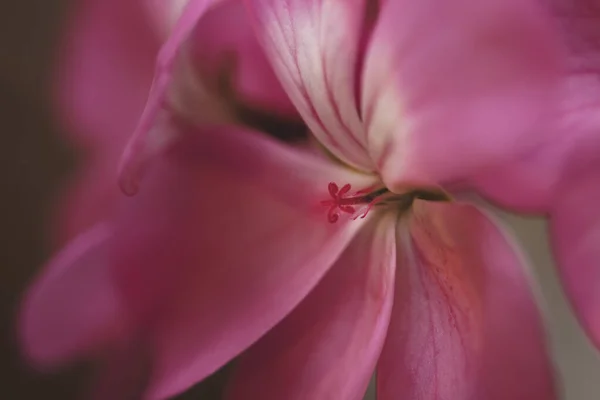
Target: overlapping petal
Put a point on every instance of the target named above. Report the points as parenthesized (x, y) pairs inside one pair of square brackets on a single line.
[(235, 56), (73, 308), (224, 240), (328, 346), (139, 147), (105, 69), (531, 182), (451, 87), (221, 64), (216, 51), (315, 47), (464, 323), (226, 236)]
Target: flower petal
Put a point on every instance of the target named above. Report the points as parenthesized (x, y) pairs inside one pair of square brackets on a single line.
[(73, 308), (532, 182), (103, 75), (328, 346), (91, 196), (464, 323), (139, 148), (453, 86), (575, 235), (315, 47), (105, 69), (225, 238), (215, 50)]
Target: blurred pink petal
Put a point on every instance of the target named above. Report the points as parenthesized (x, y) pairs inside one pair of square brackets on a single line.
[(142, 144), (223, 240), (214, 50), (328, 346), (105, 73), (464, 323), (138, 148), (575, 235), (455, 86), (73, 308), (105, 70), (531, 182), (425, 92), (90, 196)]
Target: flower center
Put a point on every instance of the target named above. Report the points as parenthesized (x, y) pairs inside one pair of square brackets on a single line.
[(358, 204)]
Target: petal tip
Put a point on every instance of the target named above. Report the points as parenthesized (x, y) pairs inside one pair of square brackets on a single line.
[(129, 179)]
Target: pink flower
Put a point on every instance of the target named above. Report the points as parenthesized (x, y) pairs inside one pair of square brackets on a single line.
[(227, 236), (238, 244), (105, 71)]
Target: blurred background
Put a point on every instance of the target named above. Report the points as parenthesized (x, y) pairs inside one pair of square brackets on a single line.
[(35, 161)]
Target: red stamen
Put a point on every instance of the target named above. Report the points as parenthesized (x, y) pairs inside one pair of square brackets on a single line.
[(340, 203)]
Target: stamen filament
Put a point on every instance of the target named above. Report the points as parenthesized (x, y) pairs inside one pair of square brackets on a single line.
[(369, 197)]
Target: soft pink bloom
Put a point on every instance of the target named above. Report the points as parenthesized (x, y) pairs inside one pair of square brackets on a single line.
[(226, 237), (106, 68), (237, 243), (424, 92)]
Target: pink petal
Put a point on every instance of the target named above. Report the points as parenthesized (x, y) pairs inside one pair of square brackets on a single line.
[(315, 47), (451, 87), (236, 48), (91, 196), (73, 307), (464, 324), (221, 65), (103, 75), (531, 182), (225, 238), (139, 147), (575, 236), (105, 70), (328, 346)]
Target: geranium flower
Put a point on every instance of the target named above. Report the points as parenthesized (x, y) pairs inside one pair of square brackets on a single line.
[(321, 269)]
